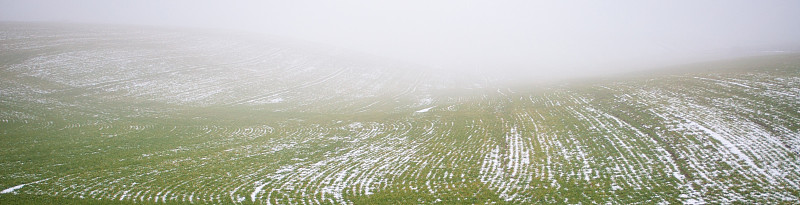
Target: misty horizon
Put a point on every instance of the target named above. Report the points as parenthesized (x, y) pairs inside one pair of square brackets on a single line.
[(580, 38)]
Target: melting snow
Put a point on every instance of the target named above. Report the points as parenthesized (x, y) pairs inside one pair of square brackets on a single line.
[(276, 100), (425, 110), (14, 188)]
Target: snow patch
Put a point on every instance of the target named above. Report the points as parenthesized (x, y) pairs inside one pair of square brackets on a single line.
[(425, 110), (14, 188), (275, 100)]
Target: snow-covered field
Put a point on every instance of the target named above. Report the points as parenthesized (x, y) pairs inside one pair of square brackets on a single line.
[(104, 114)]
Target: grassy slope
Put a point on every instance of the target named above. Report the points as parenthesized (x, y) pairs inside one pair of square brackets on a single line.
[(646, 139)]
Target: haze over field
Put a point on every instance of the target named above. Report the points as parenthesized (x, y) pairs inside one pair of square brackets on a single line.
[(542, 39), (358, 102)]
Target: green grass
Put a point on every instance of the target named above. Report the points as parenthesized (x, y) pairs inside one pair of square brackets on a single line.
[(142, 130)]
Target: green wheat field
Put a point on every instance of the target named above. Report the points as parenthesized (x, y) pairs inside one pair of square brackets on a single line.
[(112, 115)]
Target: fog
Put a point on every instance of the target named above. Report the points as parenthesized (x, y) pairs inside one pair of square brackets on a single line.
[(537, 38)]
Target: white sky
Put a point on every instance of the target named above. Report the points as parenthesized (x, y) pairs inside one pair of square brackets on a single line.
[(547, 37)]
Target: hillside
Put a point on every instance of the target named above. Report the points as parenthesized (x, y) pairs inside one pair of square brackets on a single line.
[(106, 114)]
